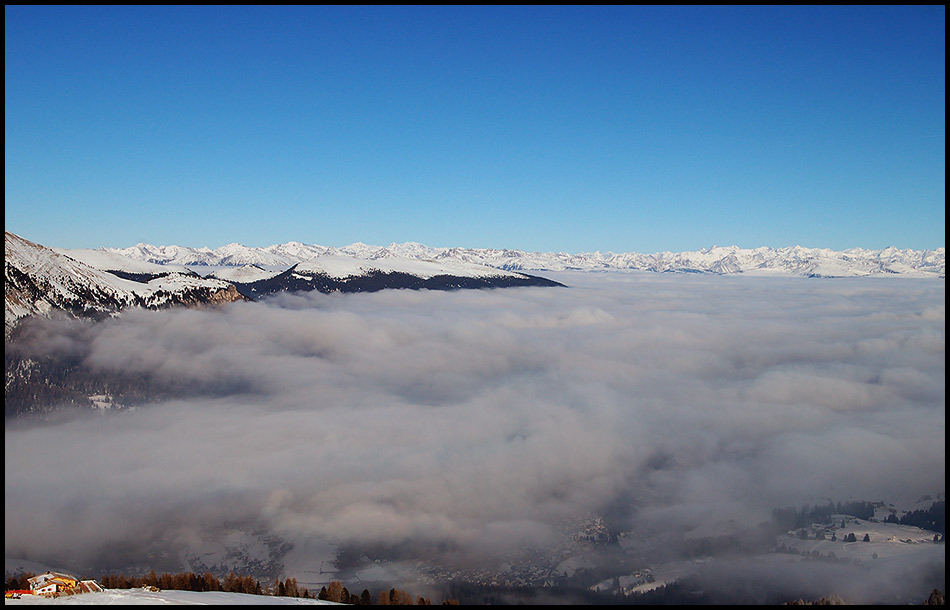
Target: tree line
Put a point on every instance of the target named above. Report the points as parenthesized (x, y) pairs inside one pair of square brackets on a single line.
[(232, 583), (791, 518), (933, 518)]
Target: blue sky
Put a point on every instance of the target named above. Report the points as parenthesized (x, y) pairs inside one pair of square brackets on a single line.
[(538, 128)]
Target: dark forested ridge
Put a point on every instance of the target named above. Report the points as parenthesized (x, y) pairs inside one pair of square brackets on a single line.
[(933, 518), (293, 280)]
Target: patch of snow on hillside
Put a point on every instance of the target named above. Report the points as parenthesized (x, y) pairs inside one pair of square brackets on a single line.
[(112, 261), (342, 266)]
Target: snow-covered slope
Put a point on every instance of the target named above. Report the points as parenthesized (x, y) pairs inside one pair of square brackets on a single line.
[(795, 260), (342, 265), (105, 260), (345, 273), (244, 274), (84, 282), (40, 280), (144, 597)]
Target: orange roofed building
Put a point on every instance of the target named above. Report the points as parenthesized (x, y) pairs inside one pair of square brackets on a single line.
[(57, 583)]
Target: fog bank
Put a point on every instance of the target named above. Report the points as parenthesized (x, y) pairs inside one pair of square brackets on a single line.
[(479, 421)]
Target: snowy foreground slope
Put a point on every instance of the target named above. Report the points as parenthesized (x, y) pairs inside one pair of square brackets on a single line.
[(796, 260), (143, 597)]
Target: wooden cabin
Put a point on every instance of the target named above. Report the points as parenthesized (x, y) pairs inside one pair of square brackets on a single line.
[(52, 582)]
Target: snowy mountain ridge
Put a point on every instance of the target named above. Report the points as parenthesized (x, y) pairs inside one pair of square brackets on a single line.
[(40, 280), (793, 260), (44, 281)]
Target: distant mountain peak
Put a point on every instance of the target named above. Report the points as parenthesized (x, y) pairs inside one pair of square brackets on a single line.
[(763, 260)]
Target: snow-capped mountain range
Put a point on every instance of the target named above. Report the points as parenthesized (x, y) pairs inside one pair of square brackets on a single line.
[(40, 280), (797, 260)]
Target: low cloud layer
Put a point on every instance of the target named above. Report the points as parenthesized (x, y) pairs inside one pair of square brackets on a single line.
[(478, 421)]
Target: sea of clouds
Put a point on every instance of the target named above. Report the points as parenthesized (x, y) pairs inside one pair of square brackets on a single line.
[(475, 422)]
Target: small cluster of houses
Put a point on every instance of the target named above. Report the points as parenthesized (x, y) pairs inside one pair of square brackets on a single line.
[(54, 584)]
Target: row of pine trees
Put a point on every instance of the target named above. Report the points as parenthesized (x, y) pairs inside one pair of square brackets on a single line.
[(232, 583)]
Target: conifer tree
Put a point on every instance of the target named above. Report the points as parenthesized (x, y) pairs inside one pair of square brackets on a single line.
[(211, 582), (335, 592), (230, 582), (165, 581), (936, 599)]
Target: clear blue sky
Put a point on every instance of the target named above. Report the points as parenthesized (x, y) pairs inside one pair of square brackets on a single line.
[(538, 128)]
